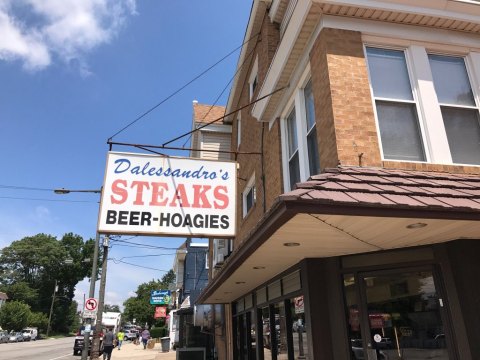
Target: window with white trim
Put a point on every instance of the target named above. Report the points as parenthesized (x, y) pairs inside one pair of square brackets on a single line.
[(430, 117), (253, 79), (300, 144), (249, 196)]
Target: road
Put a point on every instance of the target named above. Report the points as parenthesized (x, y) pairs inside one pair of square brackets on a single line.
[(50, 349)]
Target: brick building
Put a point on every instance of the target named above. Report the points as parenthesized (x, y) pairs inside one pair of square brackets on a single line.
[(358, 213)]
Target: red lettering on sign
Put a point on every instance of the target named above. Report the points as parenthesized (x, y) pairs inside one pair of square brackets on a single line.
[(121, 191), (200, 196), (158, 193), (140, 185), (221, 197), (181, 196)]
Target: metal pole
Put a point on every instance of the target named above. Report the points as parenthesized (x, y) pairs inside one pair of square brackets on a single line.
[(91, 294), (101, 299), (51, 308)]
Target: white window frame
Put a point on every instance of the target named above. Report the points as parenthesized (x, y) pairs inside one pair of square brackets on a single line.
[(248, 188), (253, 78), (297, 101), (434, 136)]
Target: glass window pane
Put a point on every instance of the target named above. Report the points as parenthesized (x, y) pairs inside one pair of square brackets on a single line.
[(294, 169), (309, 106), (266, 334), (400, 132), (463, 134), (299, 328), (292, 133), (389, 74), (451, 80), (353, 316), (313, 158), (404, 317), (281, 331)]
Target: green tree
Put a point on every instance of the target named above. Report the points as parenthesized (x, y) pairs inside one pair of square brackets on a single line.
[(15, 315), (111, 308), (139, 307), (21, 291), (39, 320), (30, 268)]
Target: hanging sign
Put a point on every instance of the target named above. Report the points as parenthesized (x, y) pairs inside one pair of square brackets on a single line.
[(160, 297), (90, 308), (159, 195), (160, 312)]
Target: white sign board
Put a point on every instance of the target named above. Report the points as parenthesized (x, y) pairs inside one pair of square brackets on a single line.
[(90, 309), (159, 195)]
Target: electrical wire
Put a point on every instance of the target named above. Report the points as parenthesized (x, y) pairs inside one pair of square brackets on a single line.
[(148, 246), (142, 256), (224, 89), (181, 88), (52, 200), (13, 187), (117, 261)]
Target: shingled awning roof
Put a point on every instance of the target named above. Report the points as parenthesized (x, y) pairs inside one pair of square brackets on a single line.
[(385, 188), (351, 210)]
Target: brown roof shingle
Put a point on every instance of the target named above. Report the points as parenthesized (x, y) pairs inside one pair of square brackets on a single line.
[(388, 188), (207, 113)]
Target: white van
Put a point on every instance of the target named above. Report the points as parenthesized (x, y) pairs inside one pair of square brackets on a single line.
[(30, 333)]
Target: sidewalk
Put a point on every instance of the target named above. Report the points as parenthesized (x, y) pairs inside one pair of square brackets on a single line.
[(136, 352)]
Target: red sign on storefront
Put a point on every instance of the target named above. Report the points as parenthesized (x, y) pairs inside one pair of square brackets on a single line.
[(160, 312)]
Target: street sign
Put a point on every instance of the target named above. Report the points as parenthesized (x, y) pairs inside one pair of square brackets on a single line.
[(90, 310), (160, 297), (91, 304)]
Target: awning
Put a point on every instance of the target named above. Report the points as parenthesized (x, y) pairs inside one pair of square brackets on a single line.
[(350, 210)]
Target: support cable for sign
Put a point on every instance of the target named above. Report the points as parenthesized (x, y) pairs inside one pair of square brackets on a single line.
[(166, 147), (181, 88)]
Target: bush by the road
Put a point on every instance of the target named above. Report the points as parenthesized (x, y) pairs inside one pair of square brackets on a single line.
[(158, 332), (15, 315)]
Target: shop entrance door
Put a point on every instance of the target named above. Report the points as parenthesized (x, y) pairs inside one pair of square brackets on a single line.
[(402, 316)]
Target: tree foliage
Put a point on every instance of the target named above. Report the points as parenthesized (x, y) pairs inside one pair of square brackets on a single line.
[(15, 315), (139, 307), (30, 268), (111, 308)]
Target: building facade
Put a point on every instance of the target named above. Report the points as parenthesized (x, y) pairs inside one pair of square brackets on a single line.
[(358, 184)]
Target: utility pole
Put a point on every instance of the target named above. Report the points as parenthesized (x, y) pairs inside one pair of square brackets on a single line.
[(91, 294), (51, 308), (93, 277), (101, 299)]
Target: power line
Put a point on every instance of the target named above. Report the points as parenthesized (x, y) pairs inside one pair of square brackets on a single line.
[(116, 261), (225, 88), (52, 200), (142, 256), (148, 246), (13, 187), (180, 89)]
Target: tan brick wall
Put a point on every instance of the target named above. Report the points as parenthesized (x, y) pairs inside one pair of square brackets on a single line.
[(251, 141), (343, 105)]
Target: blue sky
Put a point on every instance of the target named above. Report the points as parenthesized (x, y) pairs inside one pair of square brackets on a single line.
[(72, 74)]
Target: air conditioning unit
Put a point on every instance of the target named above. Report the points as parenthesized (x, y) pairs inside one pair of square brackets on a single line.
[(221, 250)]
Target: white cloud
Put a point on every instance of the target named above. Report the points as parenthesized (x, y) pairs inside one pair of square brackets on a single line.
[(38, 31)]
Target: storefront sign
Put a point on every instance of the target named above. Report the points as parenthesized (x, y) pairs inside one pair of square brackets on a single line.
[(160, 312), (159, 195), (299, 306), (160, 297)]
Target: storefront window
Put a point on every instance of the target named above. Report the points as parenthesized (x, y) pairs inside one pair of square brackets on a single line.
[(281, 331), (299, 328), (353, 317), (267, 336)]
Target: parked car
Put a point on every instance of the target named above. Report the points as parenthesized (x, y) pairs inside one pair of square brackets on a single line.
[(30, 333), (130, 335), (16, 337), (80, 339), (4, 337)]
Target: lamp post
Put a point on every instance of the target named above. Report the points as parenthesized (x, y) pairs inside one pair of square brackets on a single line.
[(93, 278)]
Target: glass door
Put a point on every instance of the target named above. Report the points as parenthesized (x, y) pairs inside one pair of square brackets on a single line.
[(399, 316)]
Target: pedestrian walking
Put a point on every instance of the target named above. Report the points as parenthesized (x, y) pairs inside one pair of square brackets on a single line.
[(108, 339), (120, 337), (145, 337)]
